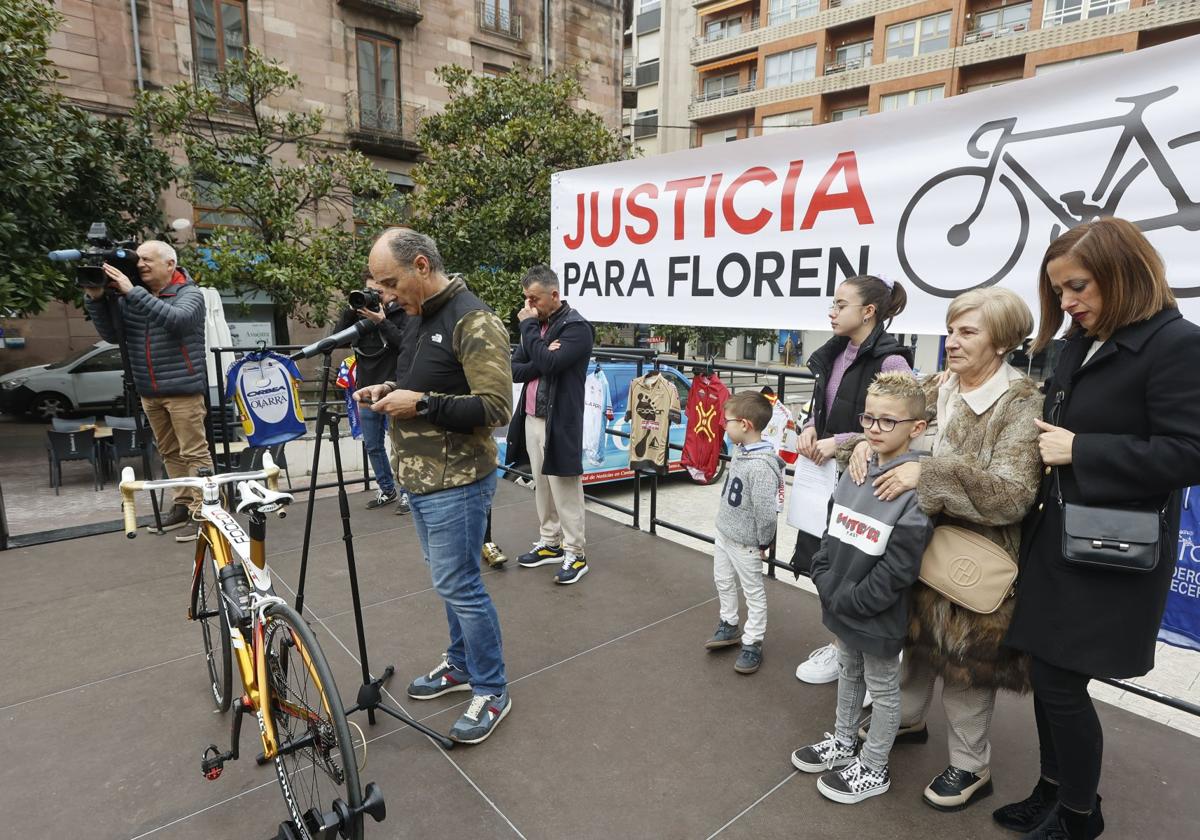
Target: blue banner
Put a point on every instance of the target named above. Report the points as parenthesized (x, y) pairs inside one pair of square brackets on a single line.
[(1181, 621)]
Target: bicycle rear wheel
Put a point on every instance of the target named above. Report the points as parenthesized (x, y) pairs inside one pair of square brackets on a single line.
[(208, 608), (307, 710)]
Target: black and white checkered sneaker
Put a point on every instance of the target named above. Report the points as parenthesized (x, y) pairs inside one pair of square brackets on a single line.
[(825, 755), (854, 783)]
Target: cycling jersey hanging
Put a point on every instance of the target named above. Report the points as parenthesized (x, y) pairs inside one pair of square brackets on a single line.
[(653, 406), (266, 386), (705, 427), (347, 379), (781, 431), (597, 409)]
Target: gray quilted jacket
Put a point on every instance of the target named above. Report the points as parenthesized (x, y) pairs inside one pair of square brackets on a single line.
[(164, 334)]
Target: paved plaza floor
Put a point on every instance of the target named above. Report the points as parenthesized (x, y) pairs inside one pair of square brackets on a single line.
[(622, 725)]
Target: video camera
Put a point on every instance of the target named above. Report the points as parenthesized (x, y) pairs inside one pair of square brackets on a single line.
[(368, 299), (101, 249)]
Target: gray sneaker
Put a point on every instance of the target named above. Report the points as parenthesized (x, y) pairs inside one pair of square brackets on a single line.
[(749, 659), (179, 516), (727, 635), (825, 755), (402, 506), (481, 718), (443, 679)]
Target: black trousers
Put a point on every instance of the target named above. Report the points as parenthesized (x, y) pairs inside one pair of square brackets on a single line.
[(1070, 739)]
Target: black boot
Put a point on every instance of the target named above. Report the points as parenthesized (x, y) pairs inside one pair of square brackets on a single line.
[(1065, 824), (1030, 812)]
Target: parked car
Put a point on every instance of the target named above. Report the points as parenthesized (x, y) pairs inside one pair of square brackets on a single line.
[(88, 379), (610, 460)]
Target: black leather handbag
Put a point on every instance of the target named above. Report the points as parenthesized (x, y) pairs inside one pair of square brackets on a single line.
[(1113, 539), (1107, 538)]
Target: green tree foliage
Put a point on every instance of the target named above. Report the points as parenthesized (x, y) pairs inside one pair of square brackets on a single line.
[(287, 200), (718, 336), (61, 168), (484, 185)]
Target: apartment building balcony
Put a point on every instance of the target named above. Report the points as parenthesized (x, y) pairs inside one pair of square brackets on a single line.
[(403, 11), (795, 20), (986, 32), (497, 20), (752, 25), (714, 95), (383, 126), (1161, 13)]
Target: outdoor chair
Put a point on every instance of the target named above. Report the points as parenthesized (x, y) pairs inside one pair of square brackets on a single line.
[(114, 422), (124, 443), (72, 446), (62, 424)]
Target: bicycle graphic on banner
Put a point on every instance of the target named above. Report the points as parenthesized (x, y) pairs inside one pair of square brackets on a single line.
[(1003, 168)]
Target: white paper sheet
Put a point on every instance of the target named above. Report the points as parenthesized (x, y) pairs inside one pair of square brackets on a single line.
[(811, 488)]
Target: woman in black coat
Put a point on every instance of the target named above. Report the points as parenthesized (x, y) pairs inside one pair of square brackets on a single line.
[(1122, 429)]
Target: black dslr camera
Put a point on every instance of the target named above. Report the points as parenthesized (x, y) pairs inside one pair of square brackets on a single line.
[(100, 249), (368, 299)]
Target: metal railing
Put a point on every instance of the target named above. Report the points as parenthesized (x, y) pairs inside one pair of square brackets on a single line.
[(727, 32), (709, 96), (492, 18), (985, 32), (385, 115), (851, 64)]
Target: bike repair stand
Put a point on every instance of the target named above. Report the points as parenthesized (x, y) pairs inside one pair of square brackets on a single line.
[(370, 693)]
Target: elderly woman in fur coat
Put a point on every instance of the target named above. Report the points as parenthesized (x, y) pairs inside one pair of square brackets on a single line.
[(983, 476)]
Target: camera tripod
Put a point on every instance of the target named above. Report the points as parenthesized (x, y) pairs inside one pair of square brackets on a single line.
[(370, 693)]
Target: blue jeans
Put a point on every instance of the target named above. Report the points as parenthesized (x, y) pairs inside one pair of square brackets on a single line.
[(374, 425), (450, 525)]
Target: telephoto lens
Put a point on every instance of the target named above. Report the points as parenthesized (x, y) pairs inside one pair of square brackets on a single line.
[(365, 299)]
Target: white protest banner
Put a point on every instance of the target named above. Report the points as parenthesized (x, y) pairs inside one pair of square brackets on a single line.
[(943, 197)]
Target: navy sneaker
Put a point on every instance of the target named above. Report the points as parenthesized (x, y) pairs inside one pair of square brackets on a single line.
[(727, 635), (574, 566), (749, 659), (382, 499), (541, 555), (481, 718), (825, 755), (443, 679)]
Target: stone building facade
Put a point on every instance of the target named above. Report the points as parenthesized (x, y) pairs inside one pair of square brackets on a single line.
[(369, 64)]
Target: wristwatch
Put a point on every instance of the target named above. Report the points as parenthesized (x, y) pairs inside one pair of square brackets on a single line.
[(423, 405)]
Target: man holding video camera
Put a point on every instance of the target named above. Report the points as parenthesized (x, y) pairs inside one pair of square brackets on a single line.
[(162, 325), (375, 354), (453, 387)]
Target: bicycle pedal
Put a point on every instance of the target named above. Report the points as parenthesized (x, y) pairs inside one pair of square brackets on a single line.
[(212, 763)]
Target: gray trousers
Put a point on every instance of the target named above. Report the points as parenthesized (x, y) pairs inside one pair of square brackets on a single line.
[(857, 672), (968, 713)]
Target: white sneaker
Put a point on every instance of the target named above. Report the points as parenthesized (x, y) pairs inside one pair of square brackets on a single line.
[(820, 667)]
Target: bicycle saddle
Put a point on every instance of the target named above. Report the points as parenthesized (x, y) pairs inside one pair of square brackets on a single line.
[(256, 498)]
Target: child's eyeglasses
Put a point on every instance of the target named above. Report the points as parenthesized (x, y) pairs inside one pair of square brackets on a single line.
[(886, 424)]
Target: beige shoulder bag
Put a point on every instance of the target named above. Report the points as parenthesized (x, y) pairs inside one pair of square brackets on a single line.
[(968, 569)]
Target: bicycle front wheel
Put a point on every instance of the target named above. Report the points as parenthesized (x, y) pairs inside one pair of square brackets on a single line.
[(319, 766), (208, 608)]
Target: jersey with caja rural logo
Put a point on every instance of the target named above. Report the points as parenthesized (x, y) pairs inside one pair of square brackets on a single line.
[(652, 398), (266, 387), (705, 427)]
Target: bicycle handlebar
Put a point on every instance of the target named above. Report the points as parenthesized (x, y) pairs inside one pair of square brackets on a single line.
[(129, 486)]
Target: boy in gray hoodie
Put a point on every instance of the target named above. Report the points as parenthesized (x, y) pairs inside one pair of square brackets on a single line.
[(746, 520), (869, 559)]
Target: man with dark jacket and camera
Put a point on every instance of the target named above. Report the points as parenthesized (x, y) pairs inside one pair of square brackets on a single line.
[(162, 326), (375, 355), (547, 425), (452, 388)]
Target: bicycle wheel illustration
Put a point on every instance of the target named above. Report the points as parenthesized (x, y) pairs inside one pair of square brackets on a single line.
[(208, 607), (307, 710), (947, 243)]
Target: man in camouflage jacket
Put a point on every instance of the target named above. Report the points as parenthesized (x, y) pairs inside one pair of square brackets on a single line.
[(453, 386)]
